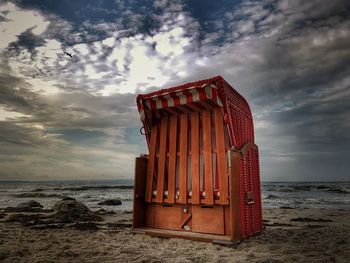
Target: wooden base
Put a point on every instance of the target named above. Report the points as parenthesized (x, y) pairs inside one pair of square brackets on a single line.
[(217, 239), (214, 222)]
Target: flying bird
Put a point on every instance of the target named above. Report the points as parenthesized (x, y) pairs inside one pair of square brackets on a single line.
[(68, 54)]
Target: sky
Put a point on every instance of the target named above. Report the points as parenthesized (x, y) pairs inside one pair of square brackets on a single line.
[(70, 72)]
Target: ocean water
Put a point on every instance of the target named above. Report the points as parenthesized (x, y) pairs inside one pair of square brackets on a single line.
[(48, 193), (306, 195), (274, 194)]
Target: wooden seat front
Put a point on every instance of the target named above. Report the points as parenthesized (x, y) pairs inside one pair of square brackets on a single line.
[(188, 159)]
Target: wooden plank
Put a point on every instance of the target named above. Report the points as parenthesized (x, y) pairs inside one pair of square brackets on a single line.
[(139, 209), (195, 157), (228, 220), (172, 159), (167, 217), (208, 219), (151, 163), (221, 157), (150, 215), (182, 234), (186, 218), (208, 164), (183, 158), (235, 208), (161, 159)]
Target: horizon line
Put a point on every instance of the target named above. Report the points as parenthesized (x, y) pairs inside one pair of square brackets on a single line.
[(96, 180)]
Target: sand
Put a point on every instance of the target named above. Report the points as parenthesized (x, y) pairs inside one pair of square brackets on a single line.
[(326, 239)]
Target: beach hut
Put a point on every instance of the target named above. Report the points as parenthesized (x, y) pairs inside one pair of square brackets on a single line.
[(200, 179)]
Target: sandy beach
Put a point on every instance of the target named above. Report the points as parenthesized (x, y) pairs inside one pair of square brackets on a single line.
[(291, 235)]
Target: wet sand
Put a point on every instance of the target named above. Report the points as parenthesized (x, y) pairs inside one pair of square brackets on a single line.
[(291, 235)]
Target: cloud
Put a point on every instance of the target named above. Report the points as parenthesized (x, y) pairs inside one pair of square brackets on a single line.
[(296, 80), (77, 114), (42, 62), (36, 132), (17, 21)]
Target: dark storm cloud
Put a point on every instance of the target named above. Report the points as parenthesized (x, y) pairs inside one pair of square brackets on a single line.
[(94, 20), (304, 73), (74, 126), (14, 134), (291, 61), (72, 109), (13, 93), (319, 126)]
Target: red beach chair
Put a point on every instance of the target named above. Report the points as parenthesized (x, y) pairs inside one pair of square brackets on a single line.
[(200, 179)]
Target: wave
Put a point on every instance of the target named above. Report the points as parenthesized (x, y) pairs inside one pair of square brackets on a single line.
[(331, 188), (90, 187), (323, 186), (325, 201), (339, 190), (302, 187), (272, 197), (97, 200), (36, 194)]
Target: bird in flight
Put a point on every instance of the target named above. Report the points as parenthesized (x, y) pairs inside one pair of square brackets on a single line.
[(68, 54)]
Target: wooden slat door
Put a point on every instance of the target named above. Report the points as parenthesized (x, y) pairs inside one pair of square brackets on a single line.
[(177, 145)]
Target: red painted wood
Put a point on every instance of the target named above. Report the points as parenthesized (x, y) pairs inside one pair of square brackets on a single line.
[(139, 192), (221, 157), (208, 220), (151, 163), (235, 196), (161, 159), (195, 157), (208, 163), (172, 159), (183, 158)]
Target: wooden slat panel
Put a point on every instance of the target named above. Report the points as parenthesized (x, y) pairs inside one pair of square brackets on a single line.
[(151, 162), (172, 159), (161, 159), (195, 157), (221, 157), (208, 164), (183, 158)]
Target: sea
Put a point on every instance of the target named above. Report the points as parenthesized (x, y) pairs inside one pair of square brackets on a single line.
[(334, 195)]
